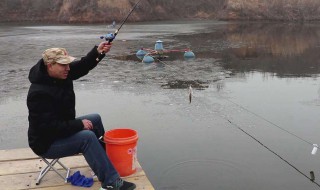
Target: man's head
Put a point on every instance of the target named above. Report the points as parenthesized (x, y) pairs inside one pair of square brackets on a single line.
[(57, 61)]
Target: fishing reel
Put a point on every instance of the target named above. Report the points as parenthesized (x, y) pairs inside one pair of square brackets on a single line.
[(108, 37)]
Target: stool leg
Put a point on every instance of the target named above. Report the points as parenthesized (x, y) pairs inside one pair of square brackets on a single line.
[(50, 165), (46, 169), (67, 169)]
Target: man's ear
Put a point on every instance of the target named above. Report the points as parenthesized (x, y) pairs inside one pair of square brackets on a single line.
[(49, 67)]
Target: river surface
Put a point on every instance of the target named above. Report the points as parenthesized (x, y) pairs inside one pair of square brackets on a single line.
[(255, 107)]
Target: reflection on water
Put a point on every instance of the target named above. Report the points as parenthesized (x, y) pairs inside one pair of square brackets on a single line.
[(282, 49), (277, 39), (285, 50), (270, 69)]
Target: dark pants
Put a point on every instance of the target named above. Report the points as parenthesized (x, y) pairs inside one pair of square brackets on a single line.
[(87, 143)]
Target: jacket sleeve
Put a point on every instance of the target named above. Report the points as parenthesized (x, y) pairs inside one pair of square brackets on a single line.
[(44, 119), (85, 64)]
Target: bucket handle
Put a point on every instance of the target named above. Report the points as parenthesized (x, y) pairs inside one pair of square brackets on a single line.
[(101, 139)]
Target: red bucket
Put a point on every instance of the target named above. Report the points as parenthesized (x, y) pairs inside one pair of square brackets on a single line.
[(121, 147)]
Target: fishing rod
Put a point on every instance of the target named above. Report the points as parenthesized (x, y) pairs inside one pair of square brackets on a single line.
[(313, 152), (311, 178), (111, 36), (315, 146)]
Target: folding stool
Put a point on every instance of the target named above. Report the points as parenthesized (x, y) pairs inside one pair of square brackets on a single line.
[(50, 166)]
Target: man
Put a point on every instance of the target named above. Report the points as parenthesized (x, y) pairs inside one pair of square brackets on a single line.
[(54, 132)]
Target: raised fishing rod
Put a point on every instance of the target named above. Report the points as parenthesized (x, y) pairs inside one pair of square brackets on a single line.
[(111, 36)]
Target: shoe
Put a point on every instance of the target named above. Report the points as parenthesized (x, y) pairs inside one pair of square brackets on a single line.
[(120, 185)]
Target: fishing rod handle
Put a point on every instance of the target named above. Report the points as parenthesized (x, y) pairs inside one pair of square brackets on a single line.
[(109, 37), (109, 41)]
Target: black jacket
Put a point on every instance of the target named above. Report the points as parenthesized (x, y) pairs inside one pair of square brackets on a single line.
[(51, 103)]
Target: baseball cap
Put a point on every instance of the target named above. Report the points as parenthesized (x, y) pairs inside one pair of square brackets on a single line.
[(57, 55)]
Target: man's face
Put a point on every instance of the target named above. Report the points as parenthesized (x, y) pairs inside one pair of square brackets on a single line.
[(57, 70)]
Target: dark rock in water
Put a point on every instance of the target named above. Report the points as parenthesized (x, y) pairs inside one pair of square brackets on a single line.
[(181, 84)]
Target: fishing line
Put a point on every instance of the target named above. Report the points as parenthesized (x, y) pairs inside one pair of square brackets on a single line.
[(110, 38), (190, 87), (266, 147), (268, 121), (273, 152), (312, 178)]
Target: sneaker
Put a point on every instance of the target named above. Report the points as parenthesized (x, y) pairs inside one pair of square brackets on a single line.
[(120, 185)]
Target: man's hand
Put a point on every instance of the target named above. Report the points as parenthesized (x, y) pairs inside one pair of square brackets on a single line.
[(104, 47), (87, 124)]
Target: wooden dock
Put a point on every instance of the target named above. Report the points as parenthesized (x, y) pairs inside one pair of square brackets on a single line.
[(19, 169)]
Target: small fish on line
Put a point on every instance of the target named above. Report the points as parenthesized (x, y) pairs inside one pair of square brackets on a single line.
[(190, 94)]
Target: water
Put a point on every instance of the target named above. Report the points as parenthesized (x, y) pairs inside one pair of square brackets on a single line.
[(262, 77)]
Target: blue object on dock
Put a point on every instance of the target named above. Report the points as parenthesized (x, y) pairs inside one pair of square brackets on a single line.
[(141, 53), (158, 46), (80, 180), (148, 59), (189, 55)]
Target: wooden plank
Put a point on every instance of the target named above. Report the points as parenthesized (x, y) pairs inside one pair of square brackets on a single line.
[(19, 169), (53, 181), (27, 166), (35, 165), (142, 183), (17, 154)]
